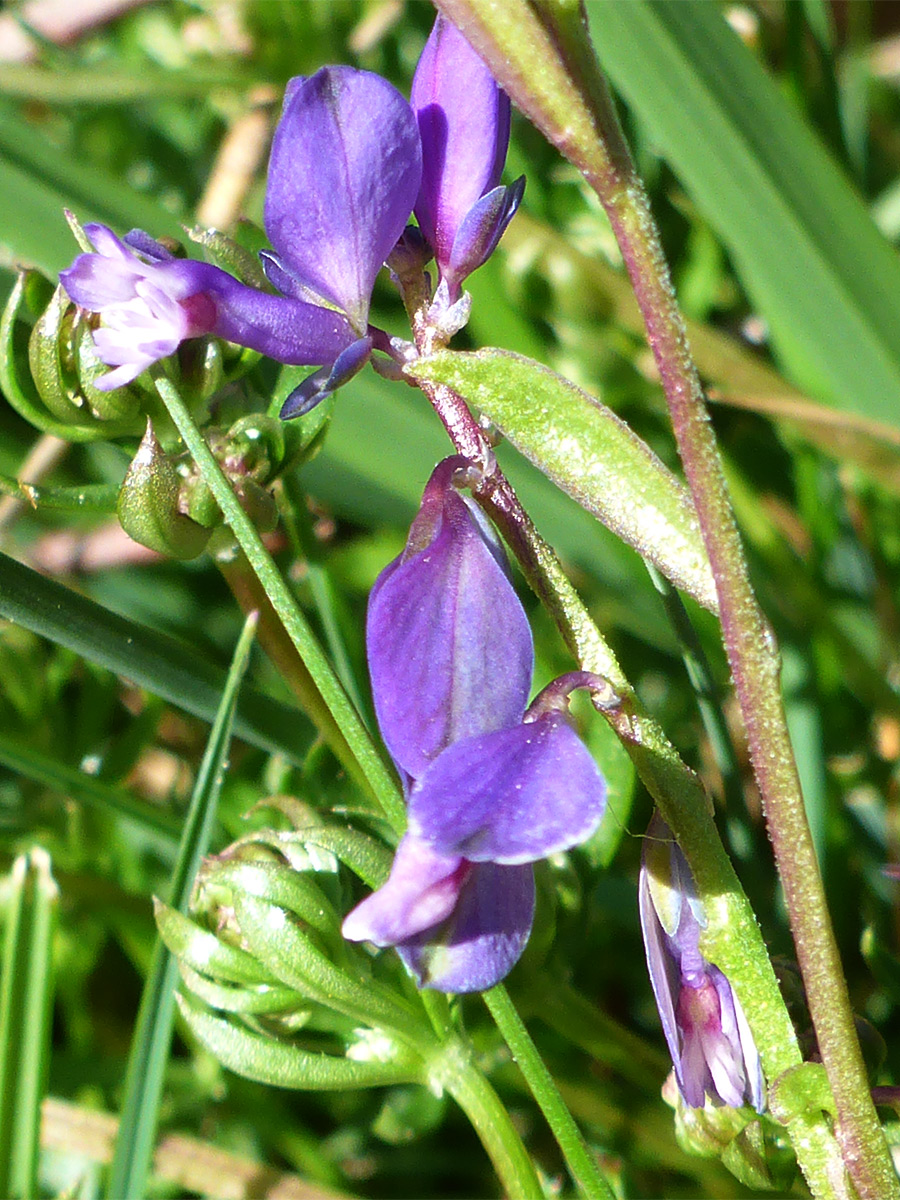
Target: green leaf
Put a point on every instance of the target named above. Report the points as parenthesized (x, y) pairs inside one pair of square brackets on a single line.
[(149, 1055), (587, 451), (26, 1003), (801, 239), (284, 1065), (162, 664)]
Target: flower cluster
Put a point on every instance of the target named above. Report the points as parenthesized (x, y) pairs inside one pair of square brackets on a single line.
[(491, 787), (351, 159), (712, 1048)]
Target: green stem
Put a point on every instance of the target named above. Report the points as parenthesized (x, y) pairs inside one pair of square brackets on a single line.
[(453, 1069), (542, 55), (354, 746), (579, 1159), (752, 652)]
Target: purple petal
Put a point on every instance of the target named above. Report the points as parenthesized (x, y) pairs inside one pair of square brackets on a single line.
[(290, 331), (343, 177), (449, 646), (665, 976), (315, 388), (513, 796), (483, 939), (95, 282), (481, 230), (149, 247), (421, 891), (464, 124)]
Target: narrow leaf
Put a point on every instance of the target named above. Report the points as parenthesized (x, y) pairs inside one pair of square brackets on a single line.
[(26, 1000), (802, 241), (162, 664), (153, 1033), (587, 451), (289, 1066)]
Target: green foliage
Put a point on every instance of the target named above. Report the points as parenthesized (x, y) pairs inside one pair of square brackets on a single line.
[(113, 662)]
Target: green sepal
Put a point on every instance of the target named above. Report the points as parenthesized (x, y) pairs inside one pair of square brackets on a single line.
[(262, 1000), (148, 504), (202, 369), (287, 950), (589, 452), (121, 404), (283, 1064), (55, 380), (18, 384), (202, 951)]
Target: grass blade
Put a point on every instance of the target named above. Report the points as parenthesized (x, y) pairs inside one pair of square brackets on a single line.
[(26, 1000), (802, 241), (161, 664), (153, 1032), (77, 785)]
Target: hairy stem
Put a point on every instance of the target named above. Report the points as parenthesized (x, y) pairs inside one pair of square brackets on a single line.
[(571, 103)]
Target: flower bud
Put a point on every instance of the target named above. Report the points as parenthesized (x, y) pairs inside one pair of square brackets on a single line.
[(148, 504), (464, 122)]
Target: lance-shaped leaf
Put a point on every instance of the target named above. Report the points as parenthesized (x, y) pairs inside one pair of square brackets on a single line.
[(588, 452)]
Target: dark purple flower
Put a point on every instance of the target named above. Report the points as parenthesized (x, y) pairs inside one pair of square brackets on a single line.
[(449, 645), (464, 125), (710, 1042), (343, 177), (149, 302), (491, 788), (459, 926)]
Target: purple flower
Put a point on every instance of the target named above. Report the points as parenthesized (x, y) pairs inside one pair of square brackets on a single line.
[(449, 645), (491, 788), (464, 125), (343, 177), (149, 302), (712, 1049)]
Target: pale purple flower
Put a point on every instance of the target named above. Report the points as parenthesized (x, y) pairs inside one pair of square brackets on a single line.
[(464, 121), (150, 302), (710, 1042), (491, 788)]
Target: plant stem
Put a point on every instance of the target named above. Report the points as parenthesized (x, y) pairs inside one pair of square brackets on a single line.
[(579, 1159), (452, 1068), (752, 654), (354, 747)]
